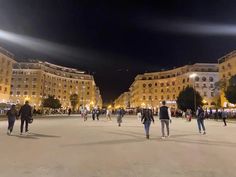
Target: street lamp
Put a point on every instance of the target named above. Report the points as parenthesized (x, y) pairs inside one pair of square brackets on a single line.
[(193, 76), (83, 88)]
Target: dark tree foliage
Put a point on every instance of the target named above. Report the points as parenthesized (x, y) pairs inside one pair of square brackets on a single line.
[(51, 102), (185, 99), (230, 92), (74, 100)]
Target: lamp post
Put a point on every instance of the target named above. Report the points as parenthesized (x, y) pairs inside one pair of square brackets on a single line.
[(193, 76), (83, 88)]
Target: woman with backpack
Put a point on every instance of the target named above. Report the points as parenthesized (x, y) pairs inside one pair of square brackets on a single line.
[(200, 120), (12, 116)]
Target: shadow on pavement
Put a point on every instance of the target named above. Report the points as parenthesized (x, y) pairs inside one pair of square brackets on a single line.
[(202, 142), (36, 136), (110, 142)]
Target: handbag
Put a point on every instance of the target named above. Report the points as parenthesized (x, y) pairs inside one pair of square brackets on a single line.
[(31, 120)]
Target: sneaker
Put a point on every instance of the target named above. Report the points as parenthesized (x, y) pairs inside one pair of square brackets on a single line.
[(8, 132), (162, 137), (204, 133), (200, 132), (21, 133)]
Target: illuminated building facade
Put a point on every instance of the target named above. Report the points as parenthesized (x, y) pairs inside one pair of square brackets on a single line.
[(35, 80), (123, 101), (227, 68), (6, 63), (149, 89)]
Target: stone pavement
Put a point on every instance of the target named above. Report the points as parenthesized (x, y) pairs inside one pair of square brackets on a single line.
[(70, 147)]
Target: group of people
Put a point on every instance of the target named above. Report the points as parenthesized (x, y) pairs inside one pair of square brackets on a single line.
[(165, 118), (25, 114)]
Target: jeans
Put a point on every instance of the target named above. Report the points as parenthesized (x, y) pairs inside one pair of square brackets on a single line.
[(22, 125), (200, 123), (147, 126), (163, 123), (224, 120), (11, 123)]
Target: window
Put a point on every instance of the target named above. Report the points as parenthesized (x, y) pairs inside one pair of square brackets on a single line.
[(155, 84), (173, 82), (149, 85), (183, 80), (211, 79), (26, 86), (150, 97), (34, 79), (33, 93), (167, 84), (204, 86), (144, 85), (18, 86), (162, 97), (162, 90), (203, 79), (25, 92), (212, 94), (144, 97), (173, 97), (211, 86), (18, 93), (197, 78), (162, 84)]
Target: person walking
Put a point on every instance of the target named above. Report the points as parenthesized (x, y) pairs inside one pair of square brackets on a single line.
[(108, 114), (97, 113), (69, 111), (200, 120), (120, 115), (147, 118), (12, 116), (93, 114), (165, 118), (224, 115), (25, 113)]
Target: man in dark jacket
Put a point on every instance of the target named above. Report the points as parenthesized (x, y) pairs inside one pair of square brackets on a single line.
[(25, 113), (165, 117)]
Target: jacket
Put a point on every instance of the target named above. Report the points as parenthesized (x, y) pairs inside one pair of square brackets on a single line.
[(25, 112)]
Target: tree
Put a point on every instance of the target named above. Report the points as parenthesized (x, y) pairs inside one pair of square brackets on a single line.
[(230, 92), (74, 100), (51, 102), (220, 85), (185, 99)]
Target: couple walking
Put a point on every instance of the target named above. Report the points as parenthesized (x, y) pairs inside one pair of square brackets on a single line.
[(26, 116), (165, 118)]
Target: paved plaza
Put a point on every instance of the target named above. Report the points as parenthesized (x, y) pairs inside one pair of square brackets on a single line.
[(70, 147)]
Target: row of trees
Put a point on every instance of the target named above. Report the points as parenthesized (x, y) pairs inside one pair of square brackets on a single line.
[(54, 103), (186, 101)]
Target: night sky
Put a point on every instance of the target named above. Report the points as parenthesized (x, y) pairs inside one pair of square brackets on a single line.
[(117, 41)]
